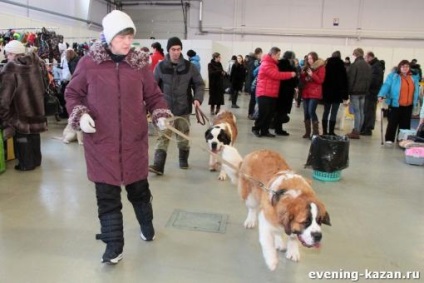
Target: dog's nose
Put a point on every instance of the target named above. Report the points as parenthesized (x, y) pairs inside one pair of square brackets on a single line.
[(214, 145), (316, 236)]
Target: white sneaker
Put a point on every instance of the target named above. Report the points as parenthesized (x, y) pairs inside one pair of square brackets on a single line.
[(388, 143)]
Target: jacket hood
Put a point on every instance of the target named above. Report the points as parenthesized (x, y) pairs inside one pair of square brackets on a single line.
[(268, 58), (137, 59), (195, 58), (318, 63)]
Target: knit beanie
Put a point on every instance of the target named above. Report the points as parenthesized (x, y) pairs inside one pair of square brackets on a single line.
[(15, 47), (115, 22), (172, 42), (191, 53)]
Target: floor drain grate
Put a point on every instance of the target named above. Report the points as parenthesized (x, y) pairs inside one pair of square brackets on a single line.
[(195, 221)]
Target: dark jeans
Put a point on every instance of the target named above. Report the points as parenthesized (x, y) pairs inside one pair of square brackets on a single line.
[(252, 103), (399, 118), (330, 109), (370, 108), (310, 108), (266, 112)]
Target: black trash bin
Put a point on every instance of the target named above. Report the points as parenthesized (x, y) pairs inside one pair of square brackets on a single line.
[(328, 155)]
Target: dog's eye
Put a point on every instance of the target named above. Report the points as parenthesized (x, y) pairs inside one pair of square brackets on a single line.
[(307, 222)]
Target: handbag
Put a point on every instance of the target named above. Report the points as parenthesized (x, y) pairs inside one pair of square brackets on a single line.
[(51, 103)]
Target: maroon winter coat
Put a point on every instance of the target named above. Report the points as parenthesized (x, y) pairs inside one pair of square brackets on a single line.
[(117, 97)]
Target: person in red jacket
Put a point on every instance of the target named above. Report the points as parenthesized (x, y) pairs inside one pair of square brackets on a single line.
[(312, 77), (267, 89), (157, 55)]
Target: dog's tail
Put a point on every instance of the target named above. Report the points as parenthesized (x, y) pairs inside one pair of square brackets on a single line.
[(232, 161)]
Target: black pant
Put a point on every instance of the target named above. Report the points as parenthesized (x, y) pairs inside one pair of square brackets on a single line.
[(27, 150), (399, 118), (62, 101), (109, 196), (370, 108), (252, 103), (266, 112)]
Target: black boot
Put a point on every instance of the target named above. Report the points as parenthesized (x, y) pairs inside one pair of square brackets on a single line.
[(141, 198), (332, 126), (113, 235), (183, 157), (158, 162)]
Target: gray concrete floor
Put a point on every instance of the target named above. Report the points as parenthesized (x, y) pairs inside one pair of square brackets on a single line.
[(48, 217)]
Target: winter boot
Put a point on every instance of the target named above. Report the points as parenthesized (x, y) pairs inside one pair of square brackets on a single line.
[(307, 134), (324, 127), (141, 198), (315, 128), (183, 157), (112, 233), (158, 162), (332, 126), (354, 135)]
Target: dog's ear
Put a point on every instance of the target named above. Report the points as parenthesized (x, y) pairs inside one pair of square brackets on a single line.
[(285, 221), (225, 138), (275, 196), (326, 219), (207, 133)]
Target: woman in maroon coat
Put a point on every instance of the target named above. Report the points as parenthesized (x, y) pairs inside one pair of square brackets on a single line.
[(312, 77), (107, 97)]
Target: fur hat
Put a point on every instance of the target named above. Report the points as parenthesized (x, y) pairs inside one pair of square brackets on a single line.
[(172, 42), (191, 53), (115, 22), (15, 47)]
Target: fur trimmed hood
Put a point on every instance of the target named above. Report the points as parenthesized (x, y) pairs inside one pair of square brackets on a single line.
[(137, 59), (318, 63)]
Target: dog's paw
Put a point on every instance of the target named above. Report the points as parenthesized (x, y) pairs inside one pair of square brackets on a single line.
[(222, 176), (293, 254), (249, 223), (65, 141), (271, 262), (80, 143), (279, 244)]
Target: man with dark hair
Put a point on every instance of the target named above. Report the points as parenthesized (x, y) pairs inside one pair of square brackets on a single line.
[(370, 107), (176, 77), (416, 68), (253, 63)]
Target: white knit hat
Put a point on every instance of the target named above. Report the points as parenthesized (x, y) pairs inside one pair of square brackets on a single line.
[(15, 47), (115, 22)]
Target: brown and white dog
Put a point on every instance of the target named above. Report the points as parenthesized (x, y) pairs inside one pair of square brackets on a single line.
[(222, 132), (285, 201)]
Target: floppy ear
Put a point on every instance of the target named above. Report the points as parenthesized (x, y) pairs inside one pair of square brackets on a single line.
[(207, 133), (285, 221), (326, 219), (274, 197), (226, 139)]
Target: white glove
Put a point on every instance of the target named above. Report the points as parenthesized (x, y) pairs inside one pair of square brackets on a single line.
[(87, 124), (162, 124)]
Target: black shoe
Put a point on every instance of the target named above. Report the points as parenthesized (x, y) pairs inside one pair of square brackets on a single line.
[(147, 232), (268, 135), (19, 168), (256, 133), (282, 133), (113, 252), (366, 133), (235, 106), (250, 117)]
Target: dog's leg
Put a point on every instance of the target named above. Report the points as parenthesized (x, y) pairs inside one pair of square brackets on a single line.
[(222, 175), (80, 137), (279, 243), (293, 249), (212, 163), (252, 215), (266, 239)]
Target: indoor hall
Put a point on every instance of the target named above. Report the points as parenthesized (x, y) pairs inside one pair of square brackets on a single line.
[(49, 216)]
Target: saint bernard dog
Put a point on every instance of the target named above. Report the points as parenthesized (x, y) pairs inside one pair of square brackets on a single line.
[(285, 201), (222, 132)]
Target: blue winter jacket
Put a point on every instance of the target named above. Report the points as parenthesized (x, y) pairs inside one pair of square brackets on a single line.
[(390, 90), (196, 61)]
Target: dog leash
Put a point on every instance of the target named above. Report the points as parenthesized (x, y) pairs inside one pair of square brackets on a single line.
[(260, 184), (200, 116)]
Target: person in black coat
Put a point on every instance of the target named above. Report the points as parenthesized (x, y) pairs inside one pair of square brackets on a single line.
[(334, 91), (237, 77), (370, 106), (286, 93), (216, 83)]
